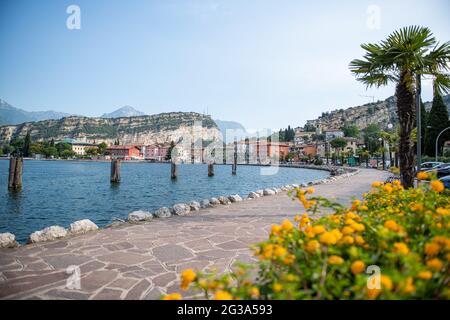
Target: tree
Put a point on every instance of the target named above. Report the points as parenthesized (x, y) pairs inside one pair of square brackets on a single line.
[(371, 133), (437, 121), (92, 151), (102, 148), (338, 144), (27, 145), (403, 58), (50, 152), (63, 146), (8, 149), (309, 128), (350, 130), (17, 145), (67, 154)]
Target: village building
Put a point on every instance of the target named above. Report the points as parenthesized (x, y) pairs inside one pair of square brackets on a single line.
[(125, 152)]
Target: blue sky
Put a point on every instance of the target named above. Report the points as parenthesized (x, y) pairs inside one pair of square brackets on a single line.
[(264, 63)]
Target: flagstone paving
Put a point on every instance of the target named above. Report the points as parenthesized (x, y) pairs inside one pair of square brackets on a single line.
[(143, 261)]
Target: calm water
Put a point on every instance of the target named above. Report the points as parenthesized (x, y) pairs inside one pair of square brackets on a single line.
[(60, 192)]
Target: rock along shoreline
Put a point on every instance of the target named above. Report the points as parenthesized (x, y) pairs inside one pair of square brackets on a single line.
[(7, 239)]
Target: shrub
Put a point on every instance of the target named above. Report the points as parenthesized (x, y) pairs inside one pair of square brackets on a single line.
[(403, 232)]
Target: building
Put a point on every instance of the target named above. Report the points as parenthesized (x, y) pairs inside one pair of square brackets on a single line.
[(156, 152), (80, 147), (303, 137), (333, 134), (324, 147), (264, 151), (125, 152)]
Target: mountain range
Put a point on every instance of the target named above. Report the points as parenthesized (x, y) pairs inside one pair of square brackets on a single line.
[(12, 115), (379, 112), (125, 111)]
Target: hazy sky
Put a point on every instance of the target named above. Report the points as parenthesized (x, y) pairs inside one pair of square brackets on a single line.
[(264, 63)]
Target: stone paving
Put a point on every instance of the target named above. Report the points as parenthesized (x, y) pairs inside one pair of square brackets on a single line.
[(143, 261)]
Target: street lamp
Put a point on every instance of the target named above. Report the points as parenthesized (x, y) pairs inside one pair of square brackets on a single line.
[(437, 139), (382, 152), (390, 126)]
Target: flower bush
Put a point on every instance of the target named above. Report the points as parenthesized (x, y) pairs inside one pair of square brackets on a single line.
[(403, 233)]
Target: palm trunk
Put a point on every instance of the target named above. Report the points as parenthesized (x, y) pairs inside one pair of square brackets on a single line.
[(406, 117)]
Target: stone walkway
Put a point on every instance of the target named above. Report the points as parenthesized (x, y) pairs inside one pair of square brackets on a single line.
[(143, 261)]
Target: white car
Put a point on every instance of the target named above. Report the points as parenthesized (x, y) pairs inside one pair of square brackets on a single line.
[(429, 165)]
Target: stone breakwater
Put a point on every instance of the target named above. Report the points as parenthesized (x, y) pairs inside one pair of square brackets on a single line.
[(7, 240)]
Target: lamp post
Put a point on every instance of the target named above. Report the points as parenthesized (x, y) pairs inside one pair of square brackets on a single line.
[(366, 153), (382, 152), (437, 140), (390, 126)]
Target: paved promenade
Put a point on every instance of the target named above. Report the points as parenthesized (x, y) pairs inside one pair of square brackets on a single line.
[(143, 261)]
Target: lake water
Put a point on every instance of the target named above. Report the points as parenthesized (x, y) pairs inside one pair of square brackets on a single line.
[(60, 192)]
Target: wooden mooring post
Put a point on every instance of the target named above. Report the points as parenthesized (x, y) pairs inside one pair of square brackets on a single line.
[(115, 171), (210, 169), (15, 173), (234, 165), (173, 170)]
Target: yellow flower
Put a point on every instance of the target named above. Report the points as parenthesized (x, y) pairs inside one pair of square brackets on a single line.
[(287, 225), (310, 190), (275, 229), (358, 266), (277, 287), (328, 238), (425, 275), (268, 251), (312, 246), (223, 295), (408, 286), (388, 188), (359, 240), (280, 251), (337, 234), (348, 240), (435, 264), (373, 293), (355, 204), (309, 232), (443, 212), (437, 185), (422, 175), (358, 227), (417, 207), (318, 229), (391, 225), (254, 292), (363, 208), (400, 247), (432, 249), (172, 296), (386, 282), (376, 184), (187, 276), (335, 260), (289, 259), (347, 230)]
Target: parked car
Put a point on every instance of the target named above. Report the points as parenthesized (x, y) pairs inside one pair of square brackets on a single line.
[(443, 171), (446, 181), (430, 165)]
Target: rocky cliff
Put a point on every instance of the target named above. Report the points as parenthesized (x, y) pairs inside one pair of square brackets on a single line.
[(380, 112), (160, 128)]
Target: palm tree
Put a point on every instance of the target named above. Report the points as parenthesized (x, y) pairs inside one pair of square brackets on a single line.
[(403, 58)]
